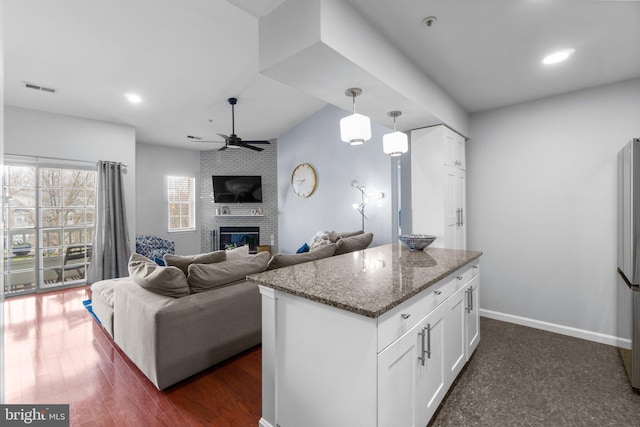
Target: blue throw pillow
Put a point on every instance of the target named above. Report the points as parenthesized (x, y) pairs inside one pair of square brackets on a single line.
[(303, 248), (159, 261)]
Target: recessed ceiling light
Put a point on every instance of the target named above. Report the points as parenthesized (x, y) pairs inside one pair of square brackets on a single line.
[(132, 97), (558, 56)]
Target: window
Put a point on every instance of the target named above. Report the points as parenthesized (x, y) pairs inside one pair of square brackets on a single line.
[(49, 229), (182, 203)]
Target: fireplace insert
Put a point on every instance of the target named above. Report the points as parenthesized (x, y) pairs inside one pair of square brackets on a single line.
[(239, 236)]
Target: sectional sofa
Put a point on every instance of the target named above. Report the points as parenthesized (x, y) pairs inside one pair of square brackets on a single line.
[(198, 310)]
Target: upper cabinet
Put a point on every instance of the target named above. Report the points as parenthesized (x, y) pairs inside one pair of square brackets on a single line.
[(454, 146), (438, 186)]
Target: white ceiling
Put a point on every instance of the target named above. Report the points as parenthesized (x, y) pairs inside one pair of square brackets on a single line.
[(488, 53), (186, 58)]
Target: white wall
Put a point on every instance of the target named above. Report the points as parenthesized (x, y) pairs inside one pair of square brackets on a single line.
[(541, 197), (36, 133), (153, 164), (317, 141)]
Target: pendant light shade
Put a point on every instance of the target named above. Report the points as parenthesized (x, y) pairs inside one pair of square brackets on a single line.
[(395, 143), (356, 128)]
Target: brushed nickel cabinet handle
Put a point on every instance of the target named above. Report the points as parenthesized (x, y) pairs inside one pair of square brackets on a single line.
[(421, 357), (405, 315), (437, 292)]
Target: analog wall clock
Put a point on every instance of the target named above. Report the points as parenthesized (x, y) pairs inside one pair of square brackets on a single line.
[(303, 180)]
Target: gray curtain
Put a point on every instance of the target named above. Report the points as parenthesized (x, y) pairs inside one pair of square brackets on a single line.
[(111, 251)]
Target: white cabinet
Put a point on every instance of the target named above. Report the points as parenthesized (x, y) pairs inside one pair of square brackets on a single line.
[(398, 382), (432, 373), (412, 376), (416, 370), (455, 346), (438, 186), (472, 323)]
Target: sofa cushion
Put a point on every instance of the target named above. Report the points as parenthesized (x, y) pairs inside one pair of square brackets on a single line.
[(167, 281), (184, 261), (280, 260), (103, 290), (241, 252), (334, 236), (203, 277), (353, 243)]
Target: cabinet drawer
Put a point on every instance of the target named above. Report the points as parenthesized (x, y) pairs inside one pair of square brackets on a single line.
[(475, 269), (439, 293), (395, 322), (463, 276)]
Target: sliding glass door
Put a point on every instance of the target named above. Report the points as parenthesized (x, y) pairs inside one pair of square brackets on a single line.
[(49, 213)]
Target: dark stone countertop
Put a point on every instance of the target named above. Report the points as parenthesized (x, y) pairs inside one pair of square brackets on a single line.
[(368, 282)]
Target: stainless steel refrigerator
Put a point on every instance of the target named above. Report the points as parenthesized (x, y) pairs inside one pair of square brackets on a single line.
[(628, 286)]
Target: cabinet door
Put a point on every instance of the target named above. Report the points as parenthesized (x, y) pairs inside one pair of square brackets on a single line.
[(454, 331), (454, 148), (432, 374), (472, 324), (397, 379), (460, 152), (460, 195), (451, 213)]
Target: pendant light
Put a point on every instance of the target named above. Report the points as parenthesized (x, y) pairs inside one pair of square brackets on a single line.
[(394, 144), (356, 128)]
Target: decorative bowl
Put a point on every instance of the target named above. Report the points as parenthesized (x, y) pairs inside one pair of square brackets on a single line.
[(416, 242)]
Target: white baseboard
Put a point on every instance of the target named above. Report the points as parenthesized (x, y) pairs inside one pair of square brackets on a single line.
[(264, 423), (559, 329)]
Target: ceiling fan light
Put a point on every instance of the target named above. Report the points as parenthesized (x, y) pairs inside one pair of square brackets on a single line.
[(395, 144), (355, 129)]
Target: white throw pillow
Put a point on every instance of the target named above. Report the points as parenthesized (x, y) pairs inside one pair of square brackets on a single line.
[(238, 253)]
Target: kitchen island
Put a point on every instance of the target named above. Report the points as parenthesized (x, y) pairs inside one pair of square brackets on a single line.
[(369, 338)]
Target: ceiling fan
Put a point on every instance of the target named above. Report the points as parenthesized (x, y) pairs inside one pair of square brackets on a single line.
[(233, 140)]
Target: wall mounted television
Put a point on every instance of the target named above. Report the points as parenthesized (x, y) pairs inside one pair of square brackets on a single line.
[(237, 188)]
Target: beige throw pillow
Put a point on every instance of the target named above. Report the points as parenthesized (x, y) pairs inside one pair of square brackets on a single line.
[(238, 253), (204, 277), (280, 260), (167, 281), (353, 243), (184, 261), (334, 236)]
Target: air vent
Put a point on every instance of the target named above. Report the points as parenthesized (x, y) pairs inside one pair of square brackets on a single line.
[(38, 87)]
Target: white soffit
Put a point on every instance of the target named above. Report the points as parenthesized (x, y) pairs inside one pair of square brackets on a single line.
[(323, 47)]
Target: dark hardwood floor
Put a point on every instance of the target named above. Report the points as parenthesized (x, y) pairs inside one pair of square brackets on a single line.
[(56, 353)]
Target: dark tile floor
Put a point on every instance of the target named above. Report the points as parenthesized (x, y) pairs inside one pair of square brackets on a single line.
[(521, 376)]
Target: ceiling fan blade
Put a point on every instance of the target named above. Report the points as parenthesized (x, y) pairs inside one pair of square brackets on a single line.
[(256, 142), (243, 145), (226, 138), (223, 148)]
